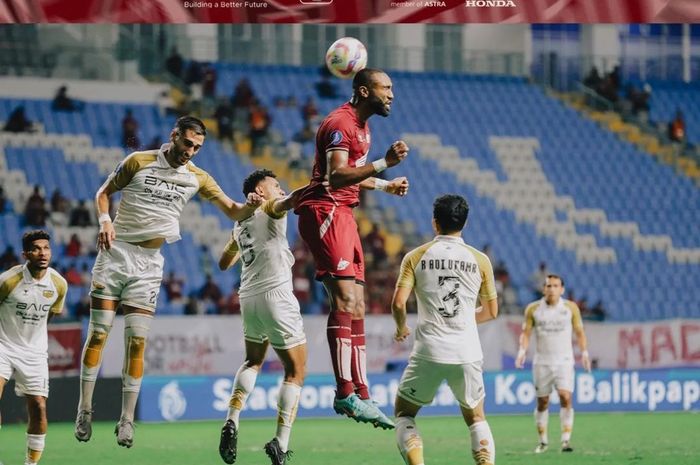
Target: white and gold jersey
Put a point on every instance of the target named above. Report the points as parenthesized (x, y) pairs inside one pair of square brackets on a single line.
[(266, 259), (553, 326), (154, 195), (447, 276), (25, 304)]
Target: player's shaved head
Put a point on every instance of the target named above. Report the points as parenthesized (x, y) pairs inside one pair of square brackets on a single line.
[(190, 122), (364, 77), (450, 213)]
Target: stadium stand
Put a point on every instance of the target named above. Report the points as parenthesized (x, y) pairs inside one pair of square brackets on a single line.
[(547, 185)]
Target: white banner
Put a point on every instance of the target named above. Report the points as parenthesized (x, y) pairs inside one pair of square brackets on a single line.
[(213, 345)]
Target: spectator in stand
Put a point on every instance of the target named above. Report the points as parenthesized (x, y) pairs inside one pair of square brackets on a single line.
[(537, 279), (174, 287), (155, 143), (211, 293), (593, 79), (74, 246), (194, 306), (306, 134), (193, 74), (35, 212), (80, 215), (224, 119), (208, 89), (73, 277), (130, 132), (259, 125), (243, 94), (59, 204), (231, 305), (8, 259), (607, 89), (676, 128), (375, 243), (309, 111), (62, 102), (3, 201), (639, 99), (18, 121), (174, 64)]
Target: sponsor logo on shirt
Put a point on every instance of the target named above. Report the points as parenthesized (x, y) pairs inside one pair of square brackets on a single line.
[(47, 294), (342, 264)]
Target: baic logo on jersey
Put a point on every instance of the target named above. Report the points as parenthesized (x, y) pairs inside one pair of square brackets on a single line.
[(31, 313), (449, 286), (163, 190)]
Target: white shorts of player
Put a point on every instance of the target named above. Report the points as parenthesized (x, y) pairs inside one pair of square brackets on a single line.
[(275, 316), (128, 273), (31, 372), (547, 377), (422, 378)]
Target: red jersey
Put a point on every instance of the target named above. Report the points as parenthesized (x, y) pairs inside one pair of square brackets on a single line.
[(341, 130)]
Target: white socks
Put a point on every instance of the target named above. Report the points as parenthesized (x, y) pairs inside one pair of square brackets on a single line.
[(409, 441), (286, 412), (35, 446), (541, 421), (566, 416), (243, 385), (483, 447)]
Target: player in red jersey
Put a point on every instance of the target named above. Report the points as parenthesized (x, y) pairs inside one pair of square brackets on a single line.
[(329, 229)]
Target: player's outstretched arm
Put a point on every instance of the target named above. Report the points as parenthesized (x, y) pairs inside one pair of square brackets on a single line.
[(237, 211), (289, 201), (398, 311), (341, 175), (397, 186)]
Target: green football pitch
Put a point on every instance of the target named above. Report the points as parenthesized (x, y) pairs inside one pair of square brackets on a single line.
[(635, 438)]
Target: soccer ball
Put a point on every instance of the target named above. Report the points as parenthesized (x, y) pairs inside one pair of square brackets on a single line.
[(346, 57)]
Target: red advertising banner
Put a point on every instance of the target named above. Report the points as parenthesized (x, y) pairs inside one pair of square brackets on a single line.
[(64, 349), (350, 11)]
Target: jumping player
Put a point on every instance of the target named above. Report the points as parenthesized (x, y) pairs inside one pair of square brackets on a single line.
[(327, 226)]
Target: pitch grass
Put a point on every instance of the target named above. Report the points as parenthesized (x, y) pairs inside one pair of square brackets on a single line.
[(634, 438)]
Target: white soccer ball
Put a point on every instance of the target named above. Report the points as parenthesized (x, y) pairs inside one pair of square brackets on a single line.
[(346, 57)]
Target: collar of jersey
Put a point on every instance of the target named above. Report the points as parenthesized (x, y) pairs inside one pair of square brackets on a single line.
[(163, 162), (440, 237), (29, 279)]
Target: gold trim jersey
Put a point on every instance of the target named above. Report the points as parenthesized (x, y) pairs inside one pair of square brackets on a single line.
[(447, 276), (25, 304)]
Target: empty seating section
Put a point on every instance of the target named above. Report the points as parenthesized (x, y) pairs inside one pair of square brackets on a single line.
[(543, 182)]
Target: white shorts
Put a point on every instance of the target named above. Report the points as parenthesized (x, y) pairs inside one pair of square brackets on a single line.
[(546, 377), (128, 273), (422, 378), (273, 315), (31, 372)]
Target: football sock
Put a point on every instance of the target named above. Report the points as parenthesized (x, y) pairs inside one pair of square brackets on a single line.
[(98, 330), (483, 447), (541, 421), (243, 385), (359, 359), (136, 326), (566, 416), (35, 446), (409, 441), (340, 345), (286, 412)]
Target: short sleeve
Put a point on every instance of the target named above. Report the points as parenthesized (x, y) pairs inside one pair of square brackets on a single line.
[(576, 321), (62, 289), (337, 136), (231, 247), (269, 208), (407, 275), (529, 322), (124, 172), (208, 187)]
